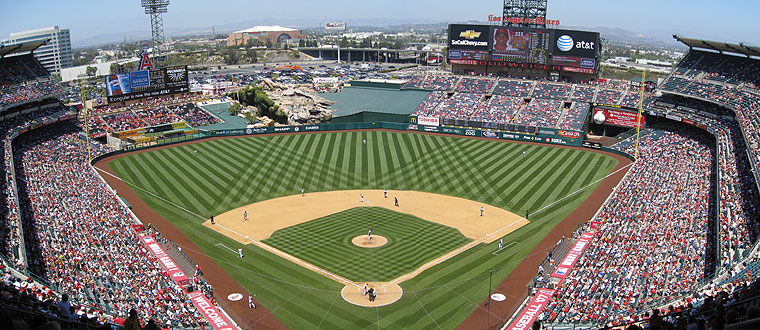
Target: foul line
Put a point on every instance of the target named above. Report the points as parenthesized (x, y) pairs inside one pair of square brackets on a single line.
[(503, 248), (225, 246)]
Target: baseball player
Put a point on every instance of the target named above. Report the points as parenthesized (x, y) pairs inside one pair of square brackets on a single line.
[(364, 141), (526, 214), (395, 200), (196, 152), (369, 234), (250, 302), (240, 253), (523, 154), (500, 244), (361, 198), (212, 220), (385, 193), (245, 215), (365, 288), (481, 211), (302, 191)]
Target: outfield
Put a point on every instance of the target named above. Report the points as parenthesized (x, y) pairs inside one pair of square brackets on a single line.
[(230, 173)]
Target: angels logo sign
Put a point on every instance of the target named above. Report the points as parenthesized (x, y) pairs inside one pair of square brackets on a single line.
[(145, 62)]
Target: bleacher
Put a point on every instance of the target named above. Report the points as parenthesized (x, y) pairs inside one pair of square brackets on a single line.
[(22, 78)]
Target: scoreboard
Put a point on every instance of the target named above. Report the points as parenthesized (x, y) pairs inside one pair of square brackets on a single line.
[(146, 83), (521, 45), (566, 50)]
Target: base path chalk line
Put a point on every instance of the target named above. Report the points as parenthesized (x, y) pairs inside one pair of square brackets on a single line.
[(508, 245), (225, 246)]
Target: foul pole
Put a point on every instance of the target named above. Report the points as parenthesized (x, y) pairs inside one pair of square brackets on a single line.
[(82, 97), (638, 118)]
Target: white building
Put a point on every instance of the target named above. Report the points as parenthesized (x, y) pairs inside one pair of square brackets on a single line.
[(55, 54)]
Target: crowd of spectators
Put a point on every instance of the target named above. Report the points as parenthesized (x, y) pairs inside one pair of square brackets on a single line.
[(499, 109), (517, 88), (650, 247), (29, 91), (459, 106), (475, 85), (22, 78), (551, 91), (159, 115), (575, 116), (78, 235), (608, 96), (539, 113), (583, 93), (122, 121), (630, 99), (427, 105), (194, 115)]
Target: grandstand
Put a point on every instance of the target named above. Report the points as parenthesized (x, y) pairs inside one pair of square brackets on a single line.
[(66, 235)]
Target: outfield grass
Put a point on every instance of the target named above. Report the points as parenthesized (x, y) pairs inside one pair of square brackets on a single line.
[(230, 173), (326, 243)]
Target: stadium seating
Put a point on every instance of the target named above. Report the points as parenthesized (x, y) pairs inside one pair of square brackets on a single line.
[(650, 247), (552, 91), (540, 113), (499, 109), (574, 117), (22, 79), (79, 234), (583, 93), (475, 85), (513, 88), (608, 96)]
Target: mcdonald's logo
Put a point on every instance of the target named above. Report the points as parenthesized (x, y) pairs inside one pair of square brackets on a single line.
[(414, 120)]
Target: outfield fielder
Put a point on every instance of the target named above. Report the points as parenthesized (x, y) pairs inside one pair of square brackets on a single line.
[(523, 154)]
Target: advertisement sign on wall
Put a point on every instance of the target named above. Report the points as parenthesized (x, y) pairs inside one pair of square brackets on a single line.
[(618, 117), (475, 37), (576, 43)]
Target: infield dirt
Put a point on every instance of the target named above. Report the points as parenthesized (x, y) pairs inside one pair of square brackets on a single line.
[(265, 217)]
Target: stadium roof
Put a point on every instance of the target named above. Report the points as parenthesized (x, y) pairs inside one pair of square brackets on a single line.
[(740, 48), (266, 28), (21, 48)]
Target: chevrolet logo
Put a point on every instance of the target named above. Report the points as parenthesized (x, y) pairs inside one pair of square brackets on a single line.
[(469, 34)]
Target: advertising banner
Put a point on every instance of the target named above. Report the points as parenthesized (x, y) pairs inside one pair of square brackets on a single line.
[(217, 319), (148, 83), (567, 263), (473, 37), (477, 55), (525, 319), (619, 117), (430, 121), (139, 79), (576, 43), (166, 261), (118, 84), (335, 26)]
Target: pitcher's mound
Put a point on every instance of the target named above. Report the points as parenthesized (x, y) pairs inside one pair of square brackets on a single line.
[(386, 293), (365, 242)]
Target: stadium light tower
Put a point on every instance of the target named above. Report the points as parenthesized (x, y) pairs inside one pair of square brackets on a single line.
[(155, 8), (526, 9)]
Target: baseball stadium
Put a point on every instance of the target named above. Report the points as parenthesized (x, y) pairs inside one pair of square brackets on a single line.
[(515, 189)]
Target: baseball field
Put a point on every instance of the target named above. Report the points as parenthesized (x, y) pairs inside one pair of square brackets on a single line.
[(230, 174)]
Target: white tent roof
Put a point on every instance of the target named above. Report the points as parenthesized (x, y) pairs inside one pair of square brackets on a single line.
[(266, 28)]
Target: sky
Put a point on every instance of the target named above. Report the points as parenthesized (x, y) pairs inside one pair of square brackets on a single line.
[(727, 20)]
